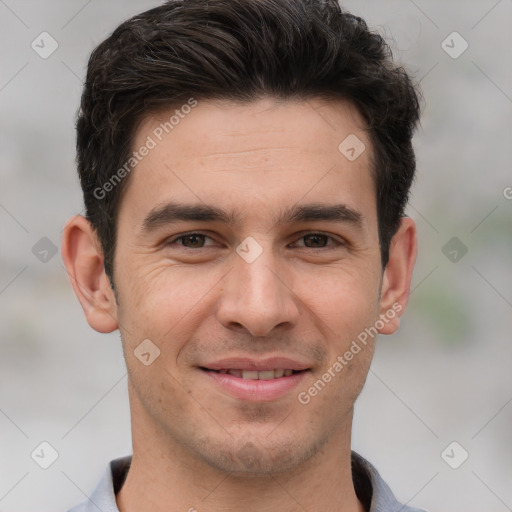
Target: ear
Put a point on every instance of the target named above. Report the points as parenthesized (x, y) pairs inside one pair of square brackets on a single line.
[(83, 259), (396, 282)]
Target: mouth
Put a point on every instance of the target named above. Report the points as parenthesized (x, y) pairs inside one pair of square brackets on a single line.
[(249, 380), (255, 374)]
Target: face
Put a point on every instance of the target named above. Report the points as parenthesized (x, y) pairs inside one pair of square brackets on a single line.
[(248, 243)]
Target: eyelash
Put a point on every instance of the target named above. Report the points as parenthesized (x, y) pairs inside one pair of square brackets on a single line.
[(338, 243)]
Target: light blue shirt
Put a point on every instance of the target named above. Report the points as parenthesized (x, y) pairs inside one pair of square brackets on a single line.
[(371, 490)]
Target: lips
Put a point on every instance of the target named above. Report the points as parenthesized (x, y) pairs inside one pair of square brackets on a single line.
[(256, 380)]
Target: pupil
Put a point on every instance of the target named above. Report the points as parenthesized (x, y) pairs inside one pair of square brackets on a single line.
[(192, 237), (316, 238)]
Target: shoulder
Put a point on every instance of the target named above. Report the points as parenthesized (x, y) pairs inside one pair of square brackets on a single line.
[(103, 497), (372, 490)]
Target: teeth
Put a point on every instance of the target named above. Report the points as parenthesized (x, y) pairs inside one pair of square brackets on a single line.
[(261, 375), (266, 375), (249, 375)]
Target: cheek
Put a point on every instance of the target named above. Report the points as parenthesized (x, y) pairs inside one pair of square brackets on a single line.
[(162, 394), (344, 302), (143, 290), (158, 301), (344, 309)]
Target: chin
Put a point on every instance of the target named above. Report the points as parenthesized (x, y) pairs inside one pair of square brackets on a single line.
[(253, 458)]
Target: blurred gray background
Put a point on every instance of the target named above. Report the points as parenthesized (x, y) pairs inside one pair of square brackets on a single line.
[(444, 378)]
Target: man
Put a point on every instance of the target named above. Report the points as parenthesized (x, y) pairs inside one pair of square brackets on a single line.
[(245, 167)]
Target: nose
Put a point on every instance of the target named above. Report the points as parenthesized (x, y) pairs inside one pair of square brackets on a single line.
[(257, 297)]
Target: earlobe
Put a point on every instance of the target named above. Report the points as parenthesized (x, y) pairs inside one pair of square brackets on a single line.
[(83, 259), (397, 277)]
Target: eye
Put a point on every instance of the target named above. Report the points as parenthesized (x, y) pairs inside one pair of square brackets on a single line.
[(190, 240), (320, 240)]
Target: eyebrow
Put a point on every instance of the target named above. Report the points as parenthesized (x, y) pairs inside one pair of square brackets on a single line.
[(172, 212)]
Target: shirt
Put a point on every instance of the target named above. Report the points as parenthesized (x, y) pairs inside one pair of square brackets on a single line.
[(371, 490)]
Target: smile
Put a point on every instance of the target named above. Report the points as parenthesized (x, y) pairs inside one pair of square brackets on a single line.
[(254, 385), (257, 375)]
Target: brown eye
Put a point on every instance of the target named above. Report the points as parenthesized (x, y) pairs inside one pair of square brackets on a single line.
[(190, 241), (320, 241), (317, 240), (196, 240)]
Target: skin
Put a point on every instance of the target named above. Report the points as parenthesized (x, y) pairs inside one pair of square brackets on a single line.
[(194, 445)]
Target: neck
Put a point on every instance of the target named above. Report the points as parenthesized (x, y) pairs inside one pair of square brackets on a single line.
[(165, 477)]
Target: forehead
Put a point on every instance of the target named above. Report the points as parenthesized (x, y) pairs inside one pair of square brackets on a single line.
[(312, 125), (263, 154)]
